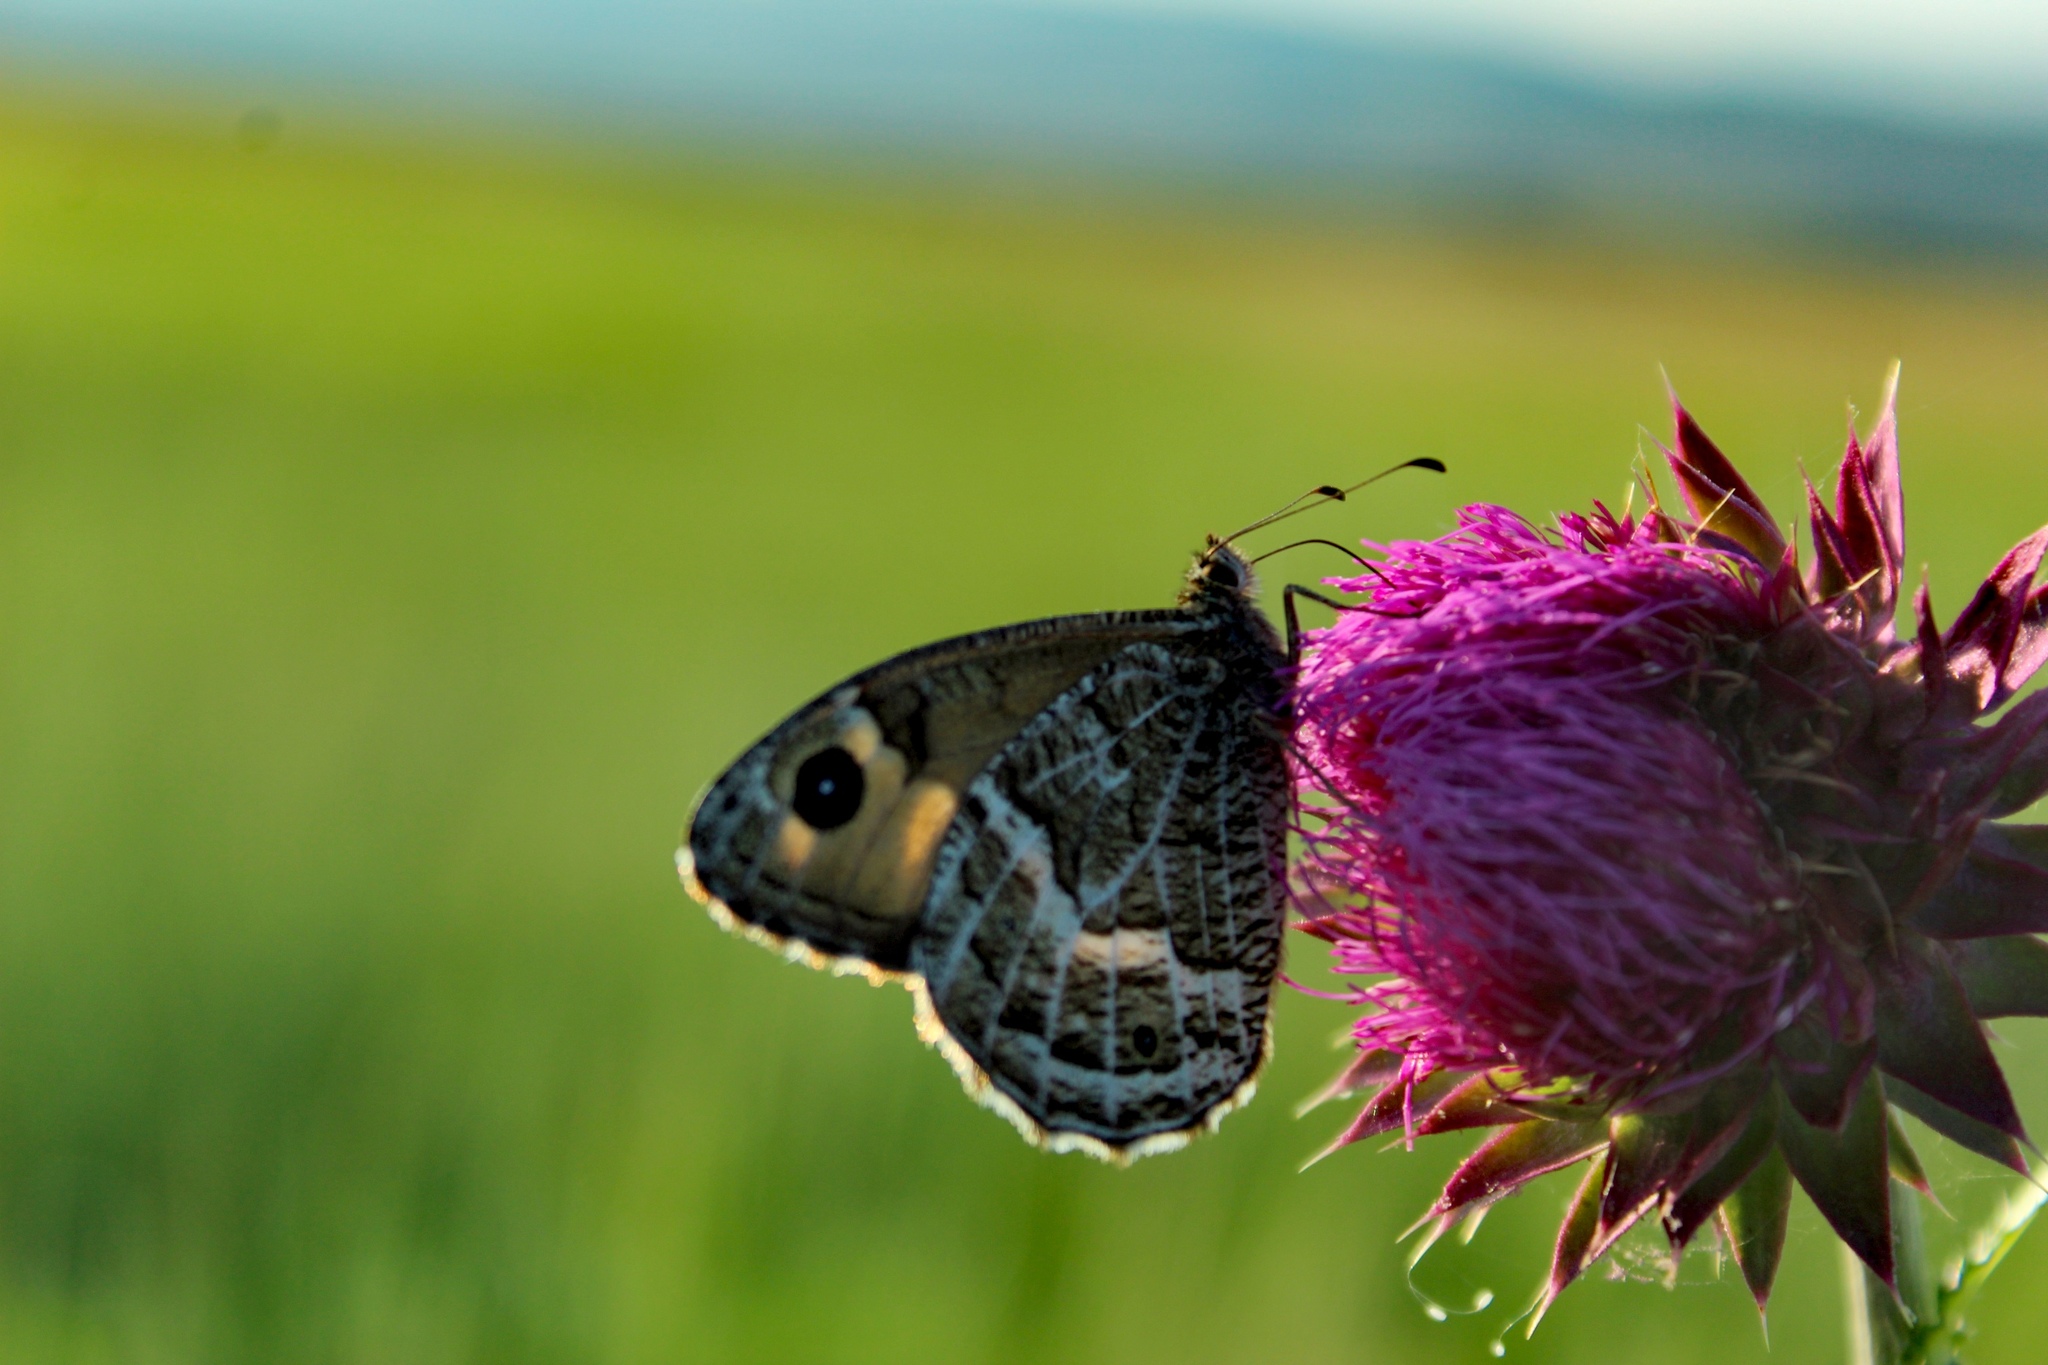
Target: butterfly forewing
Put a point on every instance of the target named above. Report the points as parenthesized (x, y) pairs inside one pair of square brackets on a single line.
[(1104, 920), (850, 882)]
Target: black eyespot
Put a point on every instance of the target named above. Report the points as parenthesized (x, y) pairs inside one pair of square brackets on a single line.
[(1145, 1040), (1224, 574), (829, 787)]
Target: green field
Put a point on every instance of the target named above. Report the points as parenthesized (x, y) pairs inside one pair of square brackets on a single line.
[(395, 534)]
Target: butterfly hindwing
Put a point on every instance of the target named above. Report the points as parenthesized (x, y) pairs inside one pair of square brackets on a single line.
[(1104, 921)]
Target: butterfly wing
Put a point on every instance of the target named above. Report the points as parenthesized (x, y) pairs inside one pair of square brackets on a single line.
[(1103, 925), (819, 841)]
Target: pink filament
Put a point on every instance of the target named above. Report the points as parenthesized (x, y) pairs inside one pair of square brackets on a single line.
[(1528, 828)]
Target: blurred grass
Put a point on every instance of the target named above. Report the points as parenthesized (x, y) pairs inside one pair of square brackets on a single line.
[(394, 535)]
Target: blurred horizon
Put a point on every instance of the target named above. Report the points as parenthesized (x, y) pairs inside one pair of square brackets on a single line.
[(1368, 106), (1979, 62)]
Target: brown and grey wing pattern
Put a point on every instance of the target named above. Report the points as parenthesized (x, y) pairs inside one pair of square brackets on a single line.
[(846, 883), (1103, 925)]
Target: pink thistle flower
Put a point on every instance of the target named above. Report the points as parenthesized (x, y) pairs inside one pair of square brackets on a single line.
[(1663, 853)]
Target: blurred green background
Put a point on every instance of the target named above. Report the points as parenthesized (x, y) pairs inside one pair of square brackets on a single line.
[(396, 532)]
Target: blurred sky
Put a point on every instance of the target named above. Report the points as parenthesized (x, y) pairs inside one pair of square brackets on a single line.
[(1969, 61), (1957, 59)]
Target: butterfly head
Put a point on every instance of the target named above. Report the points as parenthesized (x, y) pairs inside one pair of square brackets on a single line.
[(1221, 576)]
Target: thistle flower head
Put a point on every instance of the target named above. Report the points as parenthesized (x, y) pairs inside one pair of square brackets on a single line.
[(1657, 848)]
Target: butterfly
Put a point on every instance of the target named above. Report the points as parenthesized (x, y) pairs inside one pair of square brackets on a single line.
[(1067, 838)]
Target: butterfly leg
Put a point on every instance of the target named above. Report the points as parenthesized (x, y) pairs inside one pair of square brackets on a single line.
[(1287, 596)]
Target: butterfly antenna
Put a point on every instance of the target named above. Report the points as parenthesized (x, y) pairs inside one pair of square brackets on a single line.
[(1316, 497)]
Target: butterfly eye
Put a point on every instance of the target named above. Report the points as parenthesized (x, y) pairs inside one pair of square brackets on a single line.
[(829, 787), (1224, 574)]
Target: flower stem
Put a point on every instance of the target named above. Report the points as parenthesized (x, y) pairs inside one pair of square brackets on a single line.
[(1880, 1330)]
